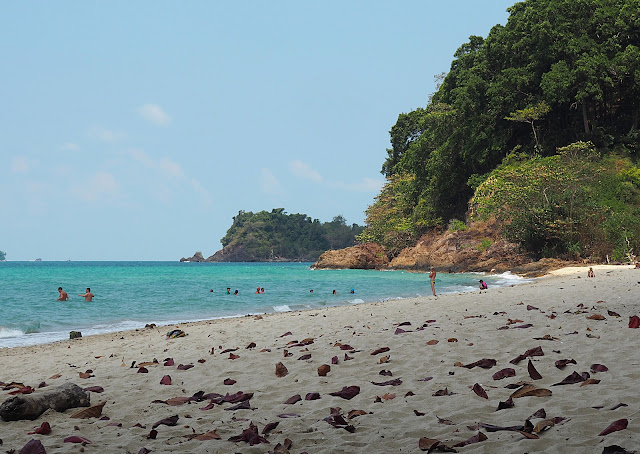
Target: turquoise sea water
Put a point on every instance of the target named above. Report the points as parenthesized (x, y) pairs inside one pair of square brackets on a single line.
[(129, 295)]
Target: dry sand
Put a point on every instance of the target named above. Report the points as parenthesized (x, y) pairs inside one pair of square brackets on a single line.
[(393, 418)]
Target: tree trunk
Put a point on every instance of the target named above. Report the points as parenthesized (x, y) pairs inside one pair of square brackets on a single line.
[(584, 118), (30, 406)]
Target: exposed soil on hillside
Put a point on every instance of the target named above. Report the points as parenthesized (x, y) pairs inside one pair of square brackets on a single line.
[(479, 248)]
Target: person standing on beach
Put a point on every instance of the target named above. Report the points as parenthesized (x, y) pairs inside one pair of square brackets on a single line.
[(432, 278), (63, 295), (88, 296)]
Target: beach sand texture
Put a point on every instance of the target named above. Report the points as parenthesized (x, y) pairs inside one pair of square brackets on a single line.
[(394, 409)]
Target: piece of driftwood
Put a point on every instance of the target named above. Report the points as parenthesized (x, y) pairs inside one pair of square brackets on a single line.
[(30, 406)]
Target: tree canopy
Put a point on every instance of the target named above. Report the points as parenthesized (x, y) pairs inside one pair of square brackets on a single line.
[(558, 72)]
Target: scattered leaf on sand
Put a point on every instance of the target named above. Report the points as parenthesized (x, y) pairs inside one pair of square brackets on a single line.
[(324, 370), (543, 425), (53, 377), (334, 360), (184, 366), (305, 357), (175, 401), (32, 447), (612, 314), (442, 392), (245, 405), (251, 345), (615, 426), (539, 414), (431, 445), (250, 435), (394, 382), (504, 373), (269, 427), (615, 449), (561, 363), (212, 435), (44, 429), (634, 321), (479, 390), (596, 317), (384, 359), (229, 381), (170, 421), (94, 389), (232, 356), (169, 362), (446, 422), (590, 381), (388, 396), (281, 370), (418, 413), (76, 439), (575, 377), (599, 368), (143, 370), (533, 373), (293, 399), (432, 342), (347, 392), (484, 363), (530, 390), (312, 396), (355, 413), (380, 350), (506, 404), (452, 339), (536, 351), (91, 412), (475, 439), (166, 380)]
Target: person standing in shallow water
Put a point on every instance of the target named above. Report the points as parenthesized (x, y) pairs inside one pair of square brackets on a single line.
[(87, 296), (432, 278), (63, 295)]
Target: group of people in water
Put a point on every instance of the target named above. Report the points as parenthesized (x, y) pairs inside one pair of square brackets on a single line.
[(64, 296), (259, 290)]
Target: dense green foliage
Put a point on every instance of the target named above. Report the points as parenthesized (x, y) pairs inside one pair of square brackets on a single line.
[(278, 235), (559, 72), (3, 255), (575, 203)]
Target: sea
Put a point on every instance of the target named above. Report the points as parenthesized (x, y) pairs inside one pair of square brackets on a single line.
[(129, 295)]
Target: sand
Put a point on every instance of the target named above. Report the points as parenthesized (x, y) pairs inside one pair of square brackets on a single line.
[(468, 327)]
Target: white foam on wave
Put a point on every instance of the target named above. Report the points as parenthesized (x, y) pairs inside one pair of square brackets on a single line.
[(356, 301), (10, 332), (282, 308)]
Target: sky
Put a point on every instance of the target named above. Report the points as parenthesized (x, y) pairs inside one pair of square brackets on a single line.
[(137, 130)]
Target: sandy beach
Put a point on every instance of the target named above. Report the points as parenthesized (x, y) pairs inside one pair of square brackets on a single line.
[(404, 373)]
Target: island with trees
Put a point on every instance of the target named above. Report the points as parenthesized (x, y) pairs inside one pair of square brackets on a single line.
[(277, 236)]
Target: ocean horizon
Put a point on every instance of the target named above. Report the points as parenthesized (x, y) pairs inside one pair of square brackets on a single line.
[(129, 295)]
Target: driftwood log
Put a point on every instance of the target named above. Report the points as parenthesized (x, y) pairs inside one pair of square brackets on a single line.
[(30, 406)]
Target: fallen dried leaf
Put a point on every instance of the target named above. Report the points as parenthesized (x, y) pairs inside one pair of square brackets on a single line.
[(347, 392), (324, 370), (533, 373), (44, 429), (615, 426), (475, 439), (91, 412), (281, 370), (166, 380), (504, 373), (479, 390), (530, 390)]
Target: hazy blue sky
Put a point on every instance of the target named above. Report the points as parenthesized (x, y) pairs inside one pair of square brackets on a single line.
[(137, 130)]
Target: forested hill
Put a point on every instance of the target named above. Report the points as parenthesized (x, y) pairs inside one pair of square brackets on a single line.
[(560, 73), (278, 236)]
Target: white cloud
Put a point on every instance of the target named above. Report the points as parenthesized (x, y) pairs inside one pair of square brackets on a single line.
[(106, 135), (172, 170), (154, 114), (69, 146), (303, 170), (22, 164), (99, 185), (372, 185), (270, 183)]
